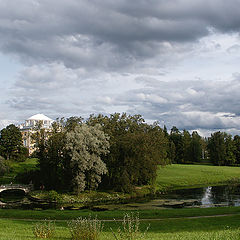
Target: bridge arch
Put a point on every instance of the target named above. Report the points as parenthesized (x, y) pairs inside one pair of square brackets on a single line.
[(25, 188)]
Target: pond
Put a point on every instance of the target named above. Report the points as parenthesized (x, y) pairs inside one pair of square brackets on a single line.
[(212, 196)]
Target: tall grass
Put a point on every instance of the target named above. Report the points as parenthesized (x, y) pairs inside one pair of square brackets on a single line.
[(130, 228), (85, 228), (44, 229)]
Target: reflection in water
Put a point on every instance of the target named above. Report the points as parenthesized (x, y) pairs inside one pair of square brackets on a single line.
[(212, 196), (206, 201), (12, 196)]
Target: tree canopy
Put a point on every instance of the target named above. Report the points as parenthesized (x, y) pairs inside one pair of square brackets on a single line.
[(11, 144)]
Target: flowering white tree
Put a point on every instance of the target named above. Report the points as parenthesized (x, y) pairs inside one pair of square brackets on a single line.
[(86, 144)]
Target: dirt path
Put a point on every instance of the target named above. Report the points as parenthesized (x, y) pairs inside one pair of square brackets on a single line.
[(120, 220)]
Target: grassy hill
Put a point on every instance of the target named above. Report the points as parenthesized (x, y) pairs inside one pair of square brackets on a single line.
[(179, 176), (16, 168)]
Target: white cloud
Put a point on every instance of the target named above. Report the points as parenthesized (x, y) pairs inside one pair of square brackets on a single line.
[(174, 62)]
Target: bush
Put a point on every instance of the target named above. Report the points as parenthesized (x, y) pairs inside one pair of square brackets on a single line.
[(130, 228), (53, 196), (85, 229), (44, 229), (29, 176), (3, 166)]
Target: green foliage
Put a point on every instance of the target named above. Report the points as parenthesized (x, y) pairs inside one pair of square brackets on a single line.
[(236, 142), (130, 228), (52, 161), (29, 176), (53, 196), (4, 167), (86, 144), (196, 147), (18, 171), (221, 149), (85, 228), (11, 144), (44, 229), (185, 147), (136, 149), (177, 139)]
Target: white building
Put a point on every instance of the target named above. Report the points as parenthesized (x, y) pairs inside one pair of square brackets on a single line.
[(30, 126)]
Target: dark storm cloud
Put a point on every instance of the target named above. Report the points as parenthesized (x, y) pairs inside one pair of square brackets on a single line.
[(107, 34)]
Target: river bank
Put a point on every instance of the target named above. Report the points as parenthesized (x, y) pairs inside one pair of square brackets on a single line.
[(169, 178)]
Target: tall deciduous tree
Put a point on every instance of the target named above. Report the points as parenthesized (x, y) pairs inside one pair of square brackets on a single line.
[(86, 144), (136, 149)]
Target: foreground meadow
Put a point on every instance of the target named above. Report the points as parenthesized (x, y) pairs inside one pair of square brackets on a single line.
[(221, 227), (173, 224)]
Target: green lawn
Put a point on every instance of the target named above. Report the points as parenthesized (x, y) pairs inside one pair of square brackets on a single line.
[(173, 229), (18, 167), (169, 224), (177, 176), (116, 214)]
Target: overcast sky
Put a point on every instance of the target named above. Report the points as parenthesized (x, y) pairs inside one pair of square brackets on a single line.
[(173, 61)]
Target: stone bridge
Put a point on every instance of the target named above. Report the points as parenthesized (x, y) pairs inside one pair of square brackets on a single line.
[(22, 187)]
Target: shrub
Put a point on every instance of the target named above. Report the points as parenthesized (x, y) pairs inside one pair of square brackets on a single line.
[(3, 166), (53, 196), (29, 176), (85, 228), (44, 229), (130, 228)]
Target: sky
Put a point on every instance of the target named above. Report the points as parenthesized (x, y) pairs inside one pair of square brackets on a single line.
[(176, 61)]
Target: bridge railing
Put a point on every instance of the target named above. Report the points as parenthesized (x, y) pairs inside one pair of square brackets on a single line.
[(17, 186)]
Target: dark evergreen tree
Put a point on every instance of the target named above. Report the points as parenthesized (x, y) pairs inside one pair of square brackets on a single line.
[(177, 138), (196, 147), (221, 149), (11, 144), (236, 142), (186, 140)]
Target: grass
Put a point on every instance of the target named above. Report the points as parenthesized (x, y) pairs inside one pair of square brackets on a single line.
[(226, 227), (171, 224), (178, 176), (171, 177), (18, 167), (118, 214)]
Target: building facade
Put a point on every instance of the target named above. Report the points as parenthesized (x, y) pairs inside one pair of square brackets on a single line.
[(30, 126)]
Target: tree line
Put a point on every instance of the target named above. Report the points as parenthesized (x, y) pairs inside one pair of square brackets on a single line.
[(116, 152)]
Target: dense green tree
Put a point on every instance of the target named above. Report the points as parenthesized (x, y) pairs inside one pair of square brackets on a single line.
[(11, 144), (236, 141), (186, 144), (217, 148), (221, 149), (52, 157), (230, 158), (86, 144), (195, 147), (136, 149), (3, 166), (177, 139)]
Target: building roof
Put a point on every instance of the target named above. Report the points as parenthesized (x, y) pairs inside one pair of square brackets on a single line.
[(39, 117)]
